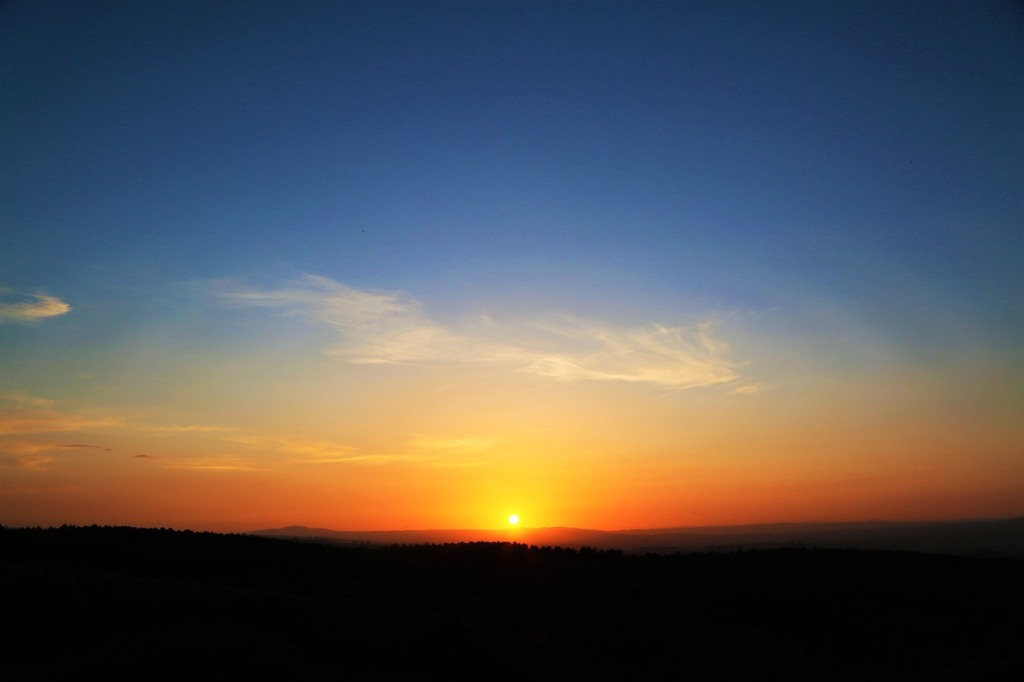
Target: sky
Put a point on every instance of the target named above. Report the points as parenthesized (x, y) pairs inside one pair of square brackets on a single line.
[(397, 265)]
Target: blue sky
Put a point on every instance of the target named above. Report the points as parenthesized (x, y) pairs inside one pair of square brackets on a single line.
[(830, 186)]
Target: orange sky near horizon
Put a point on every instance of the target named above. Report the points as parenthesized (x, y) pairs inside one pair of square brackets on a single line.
[(557, 453)]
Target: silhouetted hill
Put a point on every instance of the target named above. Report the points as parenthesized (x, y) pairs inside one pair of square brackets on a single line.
[(117, 603), (973, 538)]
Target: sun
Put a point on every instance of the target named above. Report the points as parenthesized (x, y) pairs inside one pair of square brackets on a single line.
[(513, 519)]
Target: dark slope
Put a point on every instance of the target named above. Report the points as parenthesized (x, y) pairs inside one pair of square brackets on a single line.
[(994, 537), (109, 603)]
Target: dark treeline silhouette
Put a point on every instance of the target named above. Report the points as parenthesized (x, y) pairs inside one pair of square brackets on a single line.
[(117, 602)]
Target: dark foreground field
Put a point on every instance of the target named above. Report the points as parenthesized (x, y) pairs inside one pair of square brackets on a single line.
[(118, 603)]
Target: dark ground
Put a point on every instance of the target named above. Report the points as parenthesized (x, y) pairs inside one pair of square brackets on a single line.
[(109, 603)]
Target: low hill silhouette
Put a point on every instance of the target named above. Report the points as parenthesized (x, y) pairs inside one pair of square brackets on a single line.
[(998, 537), (118, 602)]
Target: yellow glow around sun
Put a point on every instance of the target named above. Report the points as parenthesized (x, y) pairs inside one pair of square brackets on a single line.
[(513, 519)]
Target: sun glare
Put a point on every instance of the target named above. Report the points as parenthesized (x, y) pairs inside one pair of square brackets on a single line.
[(513, 519)]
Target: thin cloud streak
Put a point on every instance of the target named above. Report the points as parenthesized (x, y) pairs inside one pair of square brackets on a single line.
[(26, 454), (372, 459), (191, 428), (215, 465), (308, 451), (455, 446), (23, 398), (389, 328), (29, 454), (26, 308), (22, 421), (423, 451), (315, 451), (678, 357), (29, 461), (22, 415), (25, 447)]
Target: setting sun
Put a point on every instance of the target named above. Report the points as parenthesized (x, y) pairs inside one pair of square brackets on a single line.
[(513, 519)]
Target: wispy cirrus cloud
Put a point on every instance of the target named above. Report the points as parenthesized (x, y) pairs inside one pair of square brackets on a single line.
[(313, 451), (424, 451), (316, 451), (26, 454), (23, 398), (373, 327), (454, 446), (50, 421), (25, 447), (33, 461), (33, 454), (215, 464), (20, 307), (191, 428), (23, 414), (26, 423), (453, 451), (370, 458), (390, 328)]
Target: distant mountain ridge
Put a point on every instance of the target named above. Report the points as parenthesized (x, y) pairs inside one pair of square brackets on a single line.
[(979, 537)]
